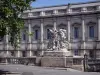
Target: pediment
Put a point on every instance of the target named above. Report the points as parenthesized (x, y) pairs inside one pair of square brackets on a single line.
[(76, 23), (91, 23), (62, 25), (49, 25), (36, 26)]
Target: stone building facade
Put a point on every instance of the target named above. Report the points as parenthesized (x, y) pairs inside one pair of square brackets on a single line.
[(81, 20)]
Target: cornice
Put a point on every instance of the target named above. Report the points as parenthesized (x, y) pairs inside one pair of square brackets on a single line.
[(64, 15)]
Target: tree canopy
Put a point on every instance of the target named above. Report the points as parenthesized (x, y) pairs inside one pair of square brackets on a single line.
[(10, 23)]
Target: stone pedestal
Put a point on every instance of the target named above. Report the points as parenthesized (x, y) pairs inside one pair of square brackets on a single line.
[(56, 59), (48, 61)]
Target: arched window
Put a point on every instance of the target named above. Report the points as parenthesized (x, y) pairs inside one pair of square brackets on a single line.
[(36, 30), (76, 52), (62, 26), (36, 34), (1, 38), (91, 31), (12, 53), (47, 27), (24, 33), (48, 34), (76, 32), (24, 36), (23, 53)]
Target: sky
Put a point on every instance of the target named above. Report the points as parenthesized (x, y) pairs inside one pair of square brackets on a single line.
[(42, 3)]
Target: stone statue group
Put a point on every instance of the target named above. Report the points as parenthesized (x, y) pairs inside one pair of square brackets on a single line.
[(58, 39)]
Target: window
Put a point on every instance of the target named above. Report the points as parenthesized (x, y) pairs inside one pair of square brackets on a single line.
[(12, 53), (23, 53), (76, 10), (76, 32), (49, 12), (91, 8), (24, 36), (25, 14), (62, 11), (91, 31), (1, 38), (36, 34), (48, 34), (76, 52), (36, 13), (91, 54)]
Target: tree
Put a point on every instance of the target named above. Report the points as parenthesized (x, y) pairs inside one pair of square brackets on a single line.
[(10, 23)]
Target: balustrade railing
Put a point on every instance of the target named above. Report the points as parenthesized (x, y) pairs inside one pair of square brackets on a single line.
[(15, 60)]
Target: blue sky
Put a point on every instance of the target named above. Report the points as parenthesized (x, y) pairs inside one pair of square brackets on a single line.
[(42, 3)]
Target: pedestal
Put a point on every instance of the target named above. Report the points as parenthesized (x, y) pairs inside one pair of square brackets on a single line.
[(57, 53), (56, 59)]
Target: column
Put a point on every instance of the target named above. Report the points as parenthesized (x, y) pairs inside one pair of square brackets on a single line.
[(98, 27), (68, 22), (98, 8), (55, 28), (98, 43), (18, 52), (83, 33), (55, 24), (69, 31), (30, 32), (42, 44), (7, 46)]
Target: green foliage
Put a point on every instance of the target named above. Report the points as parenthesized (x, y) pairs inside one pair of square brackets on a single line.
[(10, 23)]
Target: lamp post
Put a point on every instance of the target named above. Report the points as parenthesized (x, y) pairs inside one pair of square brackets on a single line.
[(85, 62)]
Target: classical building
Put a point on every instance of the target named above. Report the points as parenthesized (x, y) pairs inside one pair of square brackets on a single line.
[(81, 20)]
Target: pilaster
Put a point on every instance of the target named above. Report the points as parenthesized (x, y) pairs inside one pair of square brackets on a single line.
[(54, 23), (29, 34), (18, 51), (69, 31), (42, 34), (83, 33), (98, 7), (7, 46), (98, 19)]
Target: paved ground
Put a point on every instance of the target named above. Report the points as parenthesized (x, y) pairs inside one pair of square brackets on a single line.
[(43, 70)]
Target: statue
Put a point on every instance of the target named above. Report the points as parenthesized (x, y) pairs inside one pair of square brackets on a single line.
[(57, 49), (53, 39), (57, 39)]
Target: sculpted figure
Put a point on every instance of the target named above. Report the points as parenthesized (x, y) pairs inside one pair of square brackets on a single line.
[(53, 39), (57, 39)]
